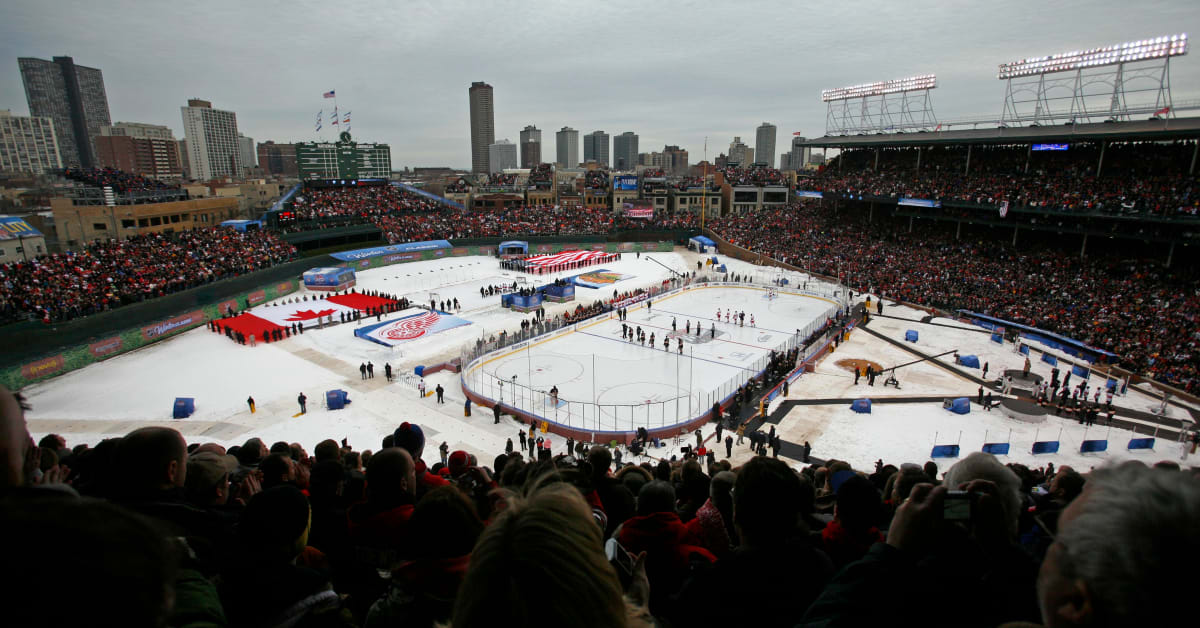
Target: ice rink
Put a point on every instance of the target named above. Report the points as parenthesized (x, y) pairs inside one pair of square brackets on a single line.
[(609, 381)]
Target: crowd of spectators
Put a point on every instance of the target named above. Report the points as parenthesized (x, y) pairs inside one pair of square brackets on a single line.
[(361, 201), (520, 221), (120, 181), (1135, 178), (461, 186), (501, 179), (107, 274), (1144, 313), (596, 179), (653, 173), (757, 176), (159, 532), (541, 177)]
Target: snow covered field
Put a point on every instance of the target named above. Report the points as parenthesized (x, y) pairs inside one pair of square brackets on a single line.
[(137, 389)]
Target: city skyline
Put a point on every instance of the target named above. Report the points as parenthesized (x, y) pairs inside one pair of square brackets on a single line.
[(265, 74)]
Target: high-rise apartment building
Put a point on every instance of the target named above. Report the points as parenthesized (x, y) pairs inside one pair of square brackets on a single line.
[(567, 141), (764, 143), (277, 159), (502, 156), (675, 160), (531, 146), (146, 149), (595, 147), (739, 153), (246, 148), (73, 97), (798, 156), (625, 151), (483, 125), (212, 141), (27, 144)]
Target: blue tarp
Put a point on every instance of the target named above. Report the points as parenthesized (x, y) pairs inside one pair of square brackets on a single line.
[(1024, 349), (969, 361), (184, 407), (514, 244), (706, 241), (944, 451), (1046, 447), (1088, 446), (911, 335), (1141, 443), (998, 338), (861, 406), (1081, 371), (407, 247), (996, 449), (962, 405), (240, 225), (1111, 384), (336, 399), (1049, 359), (1050, 339)]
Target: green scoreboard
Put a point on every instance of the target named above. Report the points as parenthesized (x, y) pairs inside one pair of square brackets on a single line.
[(344, 159)]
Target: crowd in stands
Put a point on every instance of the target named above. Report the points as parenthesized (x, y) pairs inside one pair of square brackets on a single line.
[(362, 201), (653, 173), (500, 178), (526, 221), (541, 177), (107, 274), (1142, 312), (460, 186), (158, 531), (596, 179), (756, 176), (120, 181), (1135, 178)]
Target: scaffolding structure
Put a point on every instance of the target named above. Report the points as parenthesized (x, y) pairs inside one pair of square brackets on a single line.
[(881, 107), (1113, 83)]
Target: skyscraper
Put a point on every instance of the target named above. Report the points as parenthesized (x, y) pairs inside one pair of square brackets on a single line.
[(531, 147), (27, 144), (502, 155), (739, 153), (246, 148), (483, 125), (73, 97), (595, 147), (675, 160), (798, 156), (625, 151), (567, 140), (212, 141), (764, 144)]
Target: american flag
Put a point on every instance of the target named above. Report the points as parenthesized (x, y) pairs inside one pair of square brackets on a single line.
[(329, 94), (565, 257)]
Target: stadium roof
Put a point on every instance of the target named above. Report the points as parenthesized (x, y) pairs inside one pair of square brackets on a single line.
[(1166, 129)]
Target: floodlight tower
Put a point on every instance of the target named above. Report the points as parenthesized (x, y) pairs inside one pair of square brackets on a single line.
[(883, 106), (1097, 82)]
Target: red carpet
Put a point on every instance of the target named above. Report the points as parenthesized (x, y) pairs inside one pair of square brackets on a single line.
[(247, 324), (359, 301)]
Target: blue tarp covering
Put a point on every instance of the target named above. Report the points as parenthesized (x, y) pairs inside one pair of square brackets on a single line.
[(911, 335), (998, 338), (1089, 446), (429, 195), (1111, 384), (706, 241), (996, 449), (1081, 371), (328, 278), (861, 406), (184, 407), (515, 244), (970, 361), (1050, 339), (522, 301), (1049, 359), (1046, 447), (1141, 443), (962, 405), (336, 399), (944, 451), (1024, 349), (407, 247), (240, 225)]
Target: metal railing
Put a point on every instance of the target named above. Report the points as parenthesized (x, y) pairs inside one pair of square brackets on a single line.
[(593, 416)]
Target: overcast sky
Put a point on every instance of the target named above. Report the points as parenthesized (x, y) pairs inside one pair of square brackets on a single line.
[(672, 72)]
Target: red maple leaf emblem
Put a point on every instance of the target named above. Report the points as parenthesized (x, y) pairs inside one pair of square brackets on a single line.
[(308, 315)]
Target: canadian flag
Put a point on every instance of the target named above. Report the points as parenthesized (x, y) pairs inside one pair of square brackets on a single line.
[(302, 312)]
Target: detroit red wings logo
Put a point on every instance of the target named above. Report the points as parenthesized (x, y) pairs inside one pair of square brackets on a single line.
[(308, 315), (410, 328)]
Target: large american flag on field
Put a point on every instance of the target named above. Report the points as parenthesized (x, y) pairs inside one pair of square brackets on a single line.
[(566, 257)]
